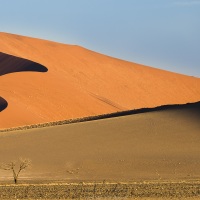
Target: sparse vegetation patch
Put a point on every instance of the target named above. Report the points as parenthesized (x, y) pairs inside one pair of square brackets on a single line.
[(100, 190)]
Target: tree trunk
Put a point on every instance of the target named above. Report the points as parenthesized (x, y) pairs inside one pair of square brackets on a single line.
[(14, 176), (15, 180)]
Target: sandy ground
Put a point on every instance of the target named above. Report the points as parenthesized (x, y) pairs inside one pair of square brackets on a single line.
[(79, 83), (152, 198), (162, 145)]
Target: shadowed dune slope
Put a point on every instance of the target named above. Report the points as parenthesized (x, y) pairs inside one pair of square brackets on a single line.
[(10, 64), (3, 104), (80, 83), (158, 145)]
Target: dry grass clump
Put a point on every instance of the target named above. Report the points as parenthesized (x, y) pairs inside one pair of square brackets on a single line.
[(100, 191)]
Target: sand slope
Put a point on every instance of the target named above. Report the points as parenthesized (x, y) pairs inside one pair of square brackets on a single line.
[(154, 145), (80, 82)]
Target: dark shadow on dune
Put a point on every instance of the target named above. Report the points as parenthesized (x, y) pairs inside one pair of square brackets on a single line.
[(11, 64), (193, 108), (3, 104)]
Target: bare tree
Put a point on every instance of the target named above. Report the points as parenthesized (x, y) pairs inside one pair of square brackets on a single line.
[(23, 164)]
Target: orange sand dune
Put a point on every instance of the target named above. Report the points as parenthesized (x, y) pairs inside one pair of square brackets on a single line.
[(80, 82)]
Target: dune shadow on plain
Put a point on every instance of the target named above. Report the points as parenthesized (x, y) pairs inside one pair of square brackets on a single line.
[(3, 104), (11, 64)]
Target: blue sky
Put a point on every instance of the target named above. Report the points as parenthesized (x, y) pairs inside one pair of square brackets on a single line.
[(160, 33)]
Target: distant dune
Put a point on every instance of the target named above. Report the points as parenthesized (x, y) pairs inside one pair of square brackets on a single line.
[(157, 145), (78, 82)]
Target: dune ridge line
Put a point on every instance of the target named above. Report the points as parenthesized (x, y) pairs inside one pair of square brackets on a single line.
[(99, 117)]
